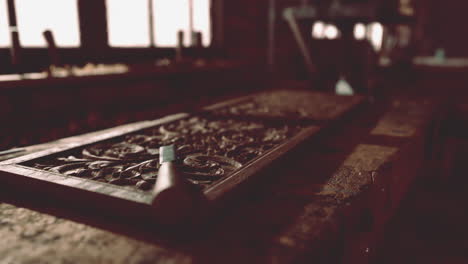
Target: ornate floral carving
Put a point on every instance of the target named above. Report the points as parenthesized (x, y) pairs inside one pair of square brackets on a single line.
[(208, 150)]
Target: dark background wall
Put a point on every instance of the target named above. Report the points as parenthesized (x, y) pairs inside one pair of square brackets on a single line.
[(443, 25), (447, 26), (246, 35)]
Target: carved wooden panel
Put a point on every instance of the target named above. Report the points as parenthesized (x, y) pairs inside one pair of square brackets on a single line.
[(218, 148)]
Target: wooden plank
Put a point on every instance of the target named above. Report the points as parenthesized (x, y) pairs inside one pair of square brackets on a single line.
[(312, 213), (65, 141), (19, 172), (92, 138), (292, 105)]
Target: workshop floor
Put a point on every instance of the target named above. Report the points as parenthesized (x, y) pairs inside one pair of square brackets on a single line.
[(431, 226)]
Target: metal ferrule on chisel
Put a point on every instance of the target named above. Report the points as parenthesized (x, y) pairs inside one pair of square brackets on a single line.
[(167, 154)]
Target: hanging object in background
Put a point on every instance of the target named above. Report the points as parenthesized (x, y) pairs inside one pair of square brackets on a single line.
[(343, 87), (15, 50), (292, 15)]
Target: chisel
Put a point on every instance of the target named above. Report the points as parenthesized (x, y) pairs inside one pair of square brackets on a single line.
[(175, 199)]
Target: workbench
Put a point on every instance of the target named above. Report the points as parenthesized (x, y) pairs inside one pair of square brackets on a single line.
[(328, 202)]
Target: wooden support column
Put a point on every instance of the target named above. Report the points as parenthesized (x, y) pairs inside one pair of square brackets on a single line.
[(93, 26)]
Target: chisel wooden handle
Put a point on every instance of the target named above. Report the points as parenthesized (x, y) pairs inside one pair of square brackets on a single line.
[(174, 198)]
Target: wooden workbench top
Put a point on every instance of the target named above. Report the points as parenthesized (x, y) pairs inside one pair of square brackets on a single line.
[(328, 203)]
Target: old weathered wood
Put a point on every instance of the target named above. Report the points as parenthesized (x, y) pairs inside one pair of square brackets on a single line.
[(18, 175), (327, 204)]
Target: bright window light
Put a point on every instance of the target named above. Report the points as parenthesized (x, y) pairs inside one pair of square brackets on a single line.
[(4, 32), (318, 30), (170, 17), (331, 31), (375, 35), (322, 30), (202, 19), (174, 15), (360, 31), (128, 23), (58, 16)]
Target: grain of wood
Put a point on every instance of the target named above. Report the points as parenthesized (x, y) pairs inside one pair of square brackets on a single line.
[(33, 237)]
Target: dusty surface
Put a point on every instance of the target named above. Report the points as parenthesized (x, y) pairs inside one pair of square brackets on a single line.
[(293, 105), (257, 231), (404, 119)]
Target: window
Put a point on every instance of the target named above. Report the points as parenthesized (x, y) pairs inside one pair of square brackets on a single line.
[(318, 30), (375, 35), (321, 30), (331, 32), (172, 16), (169, 17), (128, 23), (4, 31), (34, 17), (360, 31), (373, 32), (202, 19)]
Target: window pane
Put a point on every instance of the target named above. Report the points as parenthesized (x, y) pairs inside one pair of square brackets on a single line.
[(360, 31), (318, 30), (59, 16), (331, 31), (172, 16), (375, 35), (4, 32), (202, 19), (128, 23)]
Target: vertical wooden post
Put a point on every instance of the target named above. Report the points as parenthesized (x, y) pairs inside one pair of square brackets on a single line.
[(93, 27), (15, 50), (191, 28), (271, 35), (151, 23), (217, 18)]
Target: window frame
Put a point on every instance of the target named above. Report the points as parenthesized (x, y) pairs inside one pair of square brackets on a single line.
[(95, 48)]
